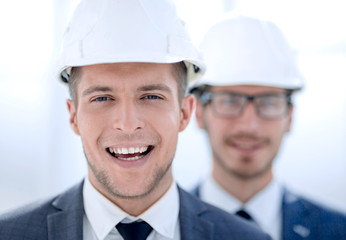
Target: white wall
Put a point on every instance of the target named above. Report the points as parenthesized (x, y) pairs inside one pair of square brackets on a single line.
[(41, 156)]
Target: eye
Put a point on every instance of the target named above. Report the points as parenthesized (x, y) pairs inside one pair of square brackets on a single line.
[(101, 99), (229, 100), (233, 100), (271, 101), (152, 97)]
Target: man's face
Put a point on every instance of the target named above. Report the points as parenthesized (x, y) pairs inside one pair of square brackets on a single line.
[(128, 116), (243, 146)]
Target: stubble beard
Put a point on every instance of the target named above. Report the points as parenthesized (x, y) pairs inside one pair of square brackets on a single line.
[(105, 180), (243, 174)]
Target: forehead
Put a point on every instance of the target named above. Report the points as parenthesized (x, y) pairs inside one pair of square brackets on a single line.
[(131, 69), (126, 74), (248, 89)]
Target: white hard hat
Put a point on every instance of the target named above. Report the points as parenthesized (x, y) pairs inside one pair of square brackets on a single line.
[(110, 31), (247, 51)]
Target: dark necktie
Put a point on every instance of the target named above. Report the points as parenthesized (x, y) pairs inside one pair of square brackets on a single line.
[(244, 215), (134, 230)]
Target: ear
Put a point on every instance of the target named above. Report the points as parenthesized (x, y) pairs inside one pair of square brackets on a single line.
[(73, 117), (187, 107), (289, 120), (199, 114)]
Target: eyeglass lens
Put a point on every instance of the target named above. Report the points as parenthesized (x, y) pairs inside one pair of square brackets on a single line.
[(267, 106)]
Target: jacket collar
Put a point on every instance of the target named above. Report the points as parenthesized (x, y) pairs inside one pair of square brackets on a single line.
[(192, 225), (67, 221), (295, 213)]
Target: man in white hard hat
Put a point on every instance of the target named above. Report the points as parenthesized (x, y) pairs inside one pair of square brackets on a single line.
[(245, 107), (127, 64)]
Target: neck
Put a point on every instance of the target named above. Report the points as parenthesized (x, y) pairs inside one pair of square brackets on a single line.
[(135, 206), (243, 188)]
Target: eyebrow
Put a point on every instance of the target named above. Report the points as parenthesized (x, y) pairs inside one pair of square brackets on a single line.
[(145, 88), (151, 87), (94, 89)]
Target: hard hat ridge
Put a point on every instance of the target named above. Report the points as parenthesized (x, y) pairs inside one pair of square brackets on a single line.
[(109, 31)]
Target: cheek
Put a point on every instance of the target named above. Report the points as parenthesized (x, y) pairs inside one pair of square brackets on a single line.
[(167, 124), (91, 125), (216, 130), (216, 125), (277, 133)]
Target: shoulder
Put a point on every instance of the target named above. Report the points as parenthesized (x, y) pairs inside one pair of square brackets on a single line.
[(24, 220), (223, 224), (298, 210), (324, 212), (316, 211), (31, 220)]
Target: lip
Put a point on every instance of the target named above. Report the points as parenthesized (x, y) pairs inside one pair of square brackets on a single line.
[(246, 147), (128, 150), (131, 163)]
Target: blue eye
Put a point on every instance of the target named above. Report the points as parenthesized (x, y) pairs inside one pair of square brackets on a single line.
[(101, 99), (152, 97)]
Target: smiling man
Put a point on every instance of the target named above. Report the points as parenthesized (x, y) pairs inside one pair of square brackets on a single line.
[(128, 116), (127, 65), (245, 107)]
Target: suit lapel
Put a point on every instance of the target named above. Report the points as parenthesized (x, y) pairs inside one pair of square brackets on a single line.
[(67, 221), (192, 225), (294, 212)]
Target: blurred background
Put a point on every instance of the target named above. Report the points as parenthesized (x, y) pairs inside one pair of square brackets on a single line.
[(40, 155)]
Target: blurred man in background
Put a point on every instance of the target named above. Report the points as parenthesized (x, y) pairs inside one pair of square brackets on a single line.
[(245, 106), (127, 65)]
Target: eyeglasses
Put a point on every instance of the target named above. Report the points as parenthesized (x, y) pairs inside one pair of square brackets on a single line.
[(232, 105)]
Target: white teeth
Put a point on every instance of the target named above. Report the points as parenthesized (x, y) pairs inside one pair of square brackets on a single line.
[(143, 149), (130, 150), (131, 158)]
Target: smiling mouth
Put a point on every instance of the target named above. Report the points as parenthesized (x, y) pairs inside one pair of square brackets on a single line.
[(246, 144), (131, 153), (247, 147)]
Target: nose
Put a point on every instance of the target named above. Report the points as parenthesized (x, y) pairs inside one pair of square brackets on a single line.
[(128, 117), (249, 119)]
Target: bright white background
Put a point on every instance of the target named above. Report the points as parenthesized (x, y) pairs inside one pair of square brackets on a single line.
[(40, 155)]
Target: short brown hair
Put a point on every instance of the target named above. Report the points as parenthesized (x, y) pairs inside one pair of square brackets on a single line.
[(75, 76)]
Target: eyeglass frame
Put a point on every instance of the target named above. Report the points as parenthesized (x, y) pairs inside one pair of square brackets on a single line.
[(206, 97)]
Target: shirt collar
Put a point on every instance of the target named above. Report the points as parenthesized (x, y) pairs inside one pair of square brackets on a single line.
[(103, 215), (264, 207), (214, 194), (157, 214)]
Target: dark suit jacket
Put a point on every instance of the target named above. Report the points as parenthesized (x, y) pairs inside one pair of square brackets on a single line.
[(61, 217), (303, 219)]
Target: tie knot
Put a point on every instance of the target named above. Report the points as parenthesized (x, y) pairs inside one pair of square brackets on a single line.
[(242, 213), (134, 230)]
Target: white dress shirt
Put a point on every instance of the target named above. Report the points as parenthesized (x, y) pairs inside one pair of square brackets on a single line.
[(101, 216), (265, 207)]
